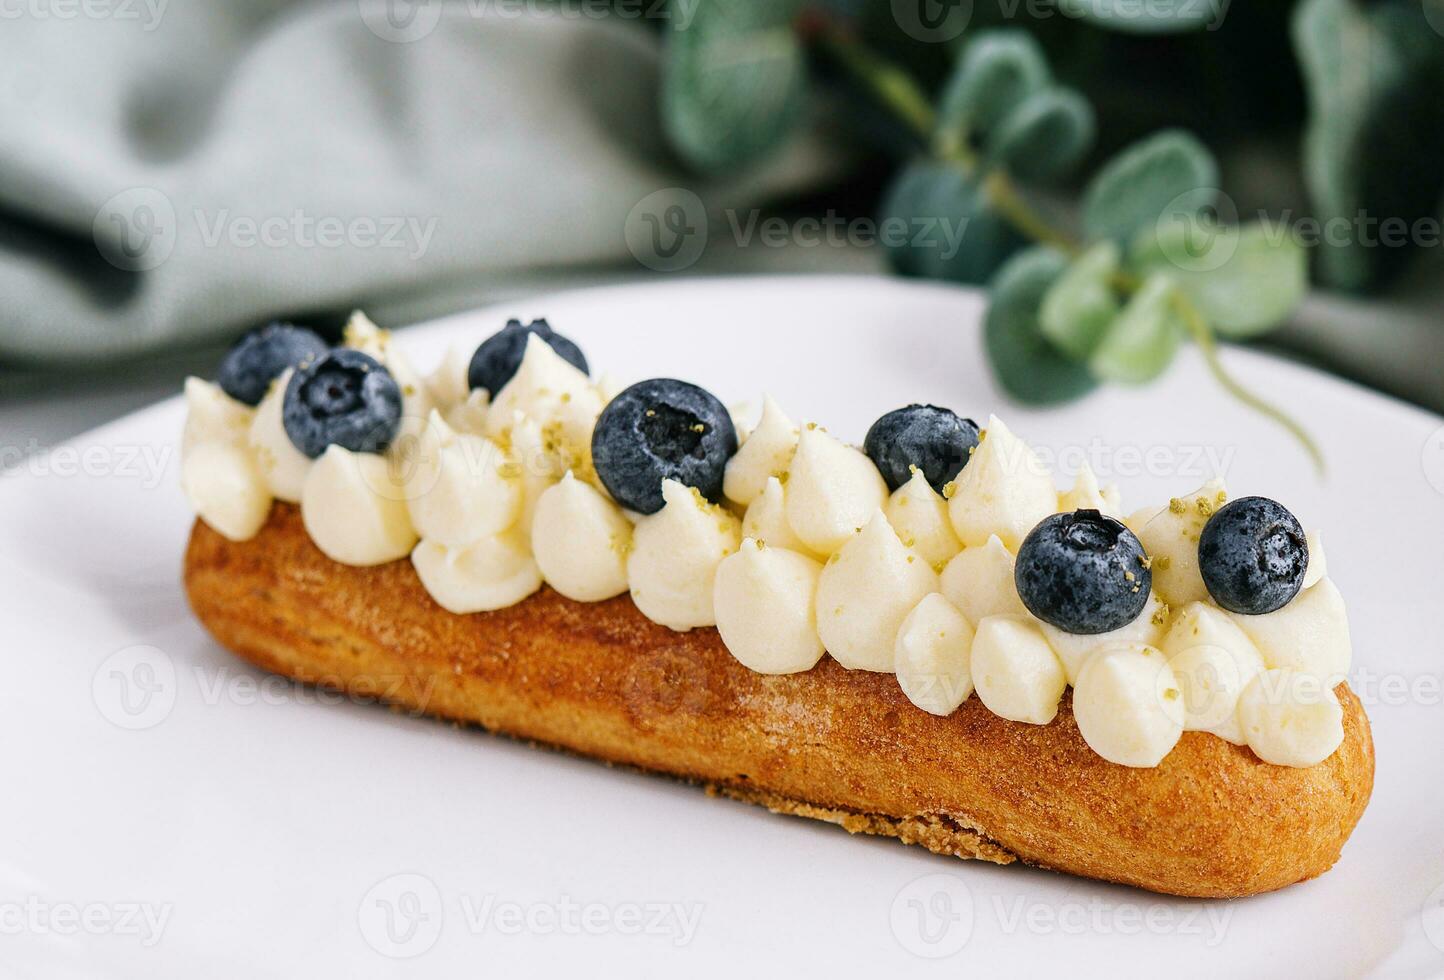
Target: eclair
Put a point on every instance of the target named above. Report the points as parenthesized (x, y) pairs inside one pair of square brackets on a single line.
[(917, 637)]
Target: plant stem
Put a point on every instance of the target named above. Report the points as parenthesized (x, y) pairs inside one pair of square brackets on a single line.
[(897, 90), (1203, 336), (892, 86), (1003, 194)]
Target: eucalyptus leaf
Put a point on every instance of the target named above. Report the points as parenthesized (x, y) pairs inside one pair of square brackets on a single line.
[(1045, 135), (1153, 17), (1027, 366), (1244, 281), (1168, 174), (1079, 306), (937, 224), (1374, 146), (734, 81), (1141, 341), (997, 71)]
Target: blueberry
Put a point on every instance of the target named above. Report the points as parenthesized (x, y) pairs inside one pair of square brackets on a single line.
[(658, 430), (346, 399), (933, 439), (1253, 555), (260, 357), (1083, 573), (498, 357)]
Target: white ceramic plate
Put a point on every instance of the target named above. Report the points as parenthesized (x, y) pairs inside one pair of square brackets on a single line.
[(175, 813)]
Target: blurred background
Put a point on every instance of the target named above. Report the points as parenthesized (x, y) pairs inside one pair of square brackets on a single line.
[(1120, 176)]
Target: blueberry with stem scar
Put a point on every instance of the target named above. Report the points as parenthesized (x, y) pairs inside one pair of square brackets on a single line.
[(345, 399), (662, 430), (1083, 573), (1252, 555), (933, 439)]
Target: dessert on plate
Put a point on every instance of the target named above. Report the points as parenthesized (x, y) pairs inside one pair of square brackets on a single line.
[(919, 637)]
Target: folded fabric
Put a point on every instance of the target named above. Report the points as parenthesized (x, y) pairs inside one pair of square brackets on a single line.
[(172, 173)]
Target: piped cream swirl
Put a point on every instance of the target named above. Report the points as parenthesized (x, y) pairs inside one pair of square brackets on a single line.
[(581, 541), (766, 454), (1004, 490), (866, 591), (832, 490), (675, 554)]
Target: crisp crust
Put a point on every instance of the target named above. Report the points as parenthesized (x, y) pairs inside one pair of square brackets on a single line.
[(831, 744)]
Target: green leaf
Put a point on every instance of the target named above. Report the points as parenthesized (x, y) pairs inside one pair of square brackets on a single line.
[(1027, 366), (1374, 144), (1168, 174), (937, 224), (1045, 135), (734, 81), (1244, 281), (1142, 340), (997, 71), (1154, 17), (1080, 305)]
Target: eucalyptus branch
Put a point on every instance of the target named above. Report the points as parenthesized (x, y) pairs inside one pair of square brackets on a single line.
[(895, 89)]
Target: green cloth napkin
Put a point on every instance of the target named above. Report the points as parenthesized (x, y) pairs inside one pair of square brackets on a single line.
[(173, 172)]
